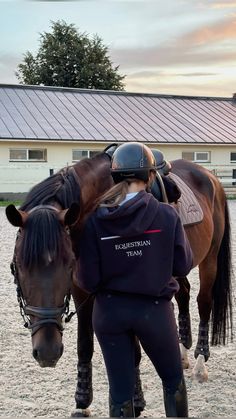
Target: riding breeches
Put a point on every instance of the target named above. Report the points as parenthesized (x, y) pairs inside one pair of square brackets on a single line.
[(117, 319)]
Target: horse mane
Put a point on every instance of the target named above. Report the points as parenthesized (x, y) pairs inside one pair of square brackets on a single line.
[(63, 187), (43, 240)]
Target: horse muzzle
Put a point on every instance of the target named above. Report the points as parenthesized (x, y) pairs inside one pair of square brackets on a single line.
[(46, 333), (47, 346)]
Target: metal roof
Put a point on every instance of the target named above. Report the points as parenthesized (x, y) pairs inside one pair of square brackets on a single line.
[(67, 114)]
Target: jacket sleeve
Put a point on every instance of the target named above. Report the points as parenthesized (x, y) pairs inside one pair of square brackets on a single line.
[(89, 271), (183, 257)]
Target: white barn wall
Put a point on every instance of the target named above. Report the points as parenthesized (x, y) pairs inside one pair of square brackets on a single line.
[(220, 154), (19, 177)]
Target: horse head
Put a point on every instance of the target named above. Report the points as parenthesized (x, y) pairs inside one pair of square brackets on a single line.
[(43, 267)]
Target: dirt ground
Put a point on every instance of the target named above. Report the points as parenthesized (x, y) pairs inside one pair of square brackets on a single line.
[(26, 390)]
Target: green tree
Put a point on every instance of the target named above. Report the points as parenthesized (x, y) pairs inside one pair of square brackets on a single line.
[(68, 58)]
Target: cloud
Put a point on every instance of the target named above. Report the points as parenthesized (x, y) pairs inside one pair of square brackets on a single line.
[(197, 74), (166, 56), (176, 83), (224, 5), (53, 1), (220, 31), (203, 46), (166, 74), (8, 66)]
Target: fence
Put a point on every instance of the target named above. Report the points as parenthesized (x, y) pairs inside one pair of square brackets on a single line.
[(226, 176)]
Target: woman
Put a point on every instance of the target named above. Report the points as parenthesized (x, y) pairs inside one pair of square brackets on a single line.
[(131, 249)]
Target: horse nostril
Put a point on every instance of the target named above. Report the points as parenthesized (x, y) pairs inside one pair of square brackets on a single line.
[(35, 354)]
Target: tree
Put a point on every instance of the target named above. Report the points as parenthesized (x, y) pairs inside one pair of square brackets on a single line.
[(69, 58)]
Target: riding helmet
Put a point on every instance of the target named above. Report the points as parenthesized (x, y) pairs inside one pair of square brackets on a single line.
[(162, 165), (132, 160)]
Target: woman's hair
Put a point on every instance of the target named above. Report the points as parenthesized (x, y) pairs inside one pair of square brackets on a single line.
[(114, 196)]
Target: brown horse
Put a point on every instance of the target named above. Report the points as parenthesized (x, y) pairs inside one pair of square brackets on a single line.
[(210, 242), (81, 183)]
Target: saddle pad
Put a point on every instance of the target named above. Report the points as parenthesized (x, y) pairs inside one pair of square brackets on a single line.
[(188, 208)]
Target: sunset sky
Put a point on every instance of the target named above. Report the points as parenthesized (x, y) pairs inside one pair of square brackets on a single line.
[(185, 47)]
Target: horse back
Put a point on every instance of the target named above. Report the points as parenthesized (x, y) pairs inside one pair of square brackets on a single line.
[(211, 197), (201, 181)]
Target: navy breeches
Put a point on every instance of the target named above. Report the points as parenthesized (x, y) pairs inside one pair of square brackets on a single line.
[(117, 319)]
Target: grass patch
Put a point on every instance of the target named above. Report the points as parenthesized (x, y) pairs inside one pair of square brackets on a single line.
[(5, 203)]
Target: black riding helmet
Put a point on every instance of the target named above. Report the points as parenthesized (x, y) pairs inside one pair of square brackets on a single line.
[(162, 165), (132, 160)]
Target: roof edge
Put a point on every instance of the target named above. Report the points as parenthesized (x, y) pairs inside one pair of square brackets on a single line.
[(112, 92)]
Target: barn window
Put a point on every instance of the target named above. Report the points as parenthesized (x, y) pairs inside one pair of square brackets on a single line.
[(28, 154), (233, 157), (82, 154), (187, 155), (197, 156)]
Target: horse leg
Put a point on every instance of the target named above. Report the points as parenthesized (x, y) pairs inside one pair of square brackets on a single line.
[(85, 349), (207, 274), (185, 335), (139, 401)]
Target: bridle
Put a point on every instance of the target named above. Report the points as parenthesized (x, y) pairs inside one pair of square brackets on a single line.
[(46, 315)]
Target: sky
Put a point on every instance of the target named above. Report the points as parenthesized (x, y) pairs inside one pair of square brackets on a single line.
[(179, 47)]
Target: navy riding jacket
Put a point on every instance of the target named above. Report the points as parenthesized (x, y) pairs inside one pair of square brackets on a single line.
[(138, 247)]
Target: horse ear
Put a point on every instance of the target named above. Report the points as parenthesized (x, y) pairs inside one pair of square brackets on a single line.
[(15, 217), (70, 215)]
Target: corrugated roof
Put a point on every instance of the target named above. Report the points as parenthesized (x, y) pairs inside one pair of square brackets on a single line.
[(53, 113)]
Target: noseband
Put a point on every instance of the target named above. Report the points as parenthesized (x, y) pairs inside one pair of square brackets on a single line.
[(46, 315)]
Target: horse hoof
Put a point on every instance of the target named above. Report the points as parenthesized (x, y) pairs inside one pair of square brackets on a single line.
[(200, 376), (81, 413), (185, 364), (200, 372), (184, 356)]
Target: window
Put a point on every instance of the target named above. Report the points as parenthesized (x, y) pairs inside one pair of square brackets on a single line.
[(202, 156), (82, 154), (26, 154), (79, 154), (197, 156), (232, 157), (187, 155)]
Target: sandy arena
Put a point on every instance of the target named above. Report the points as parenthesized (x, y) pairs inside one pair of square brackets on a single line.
[(30, 391)]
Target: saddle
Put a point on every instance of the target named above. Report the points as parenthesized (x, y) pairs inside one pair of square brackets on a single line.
[(188, 207), (172, 189)]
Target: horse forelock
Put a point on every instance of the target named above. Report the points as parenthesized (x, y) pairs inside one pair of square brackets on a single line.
[(44, 240)]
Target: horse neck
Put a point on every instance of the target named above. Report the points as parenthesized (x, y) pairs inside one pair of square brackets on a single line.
[(94, 179)]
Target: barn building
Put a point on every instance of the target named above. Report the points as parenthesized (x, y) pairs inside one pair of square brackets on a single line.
[(43, 129)]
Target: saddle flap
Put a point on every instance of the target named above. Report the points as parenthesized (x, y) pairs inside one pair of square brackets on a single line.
[(188, 207)]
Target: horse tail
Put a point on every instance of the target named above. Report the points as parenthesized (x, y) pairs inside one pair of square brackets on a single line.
[(221, 316)]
